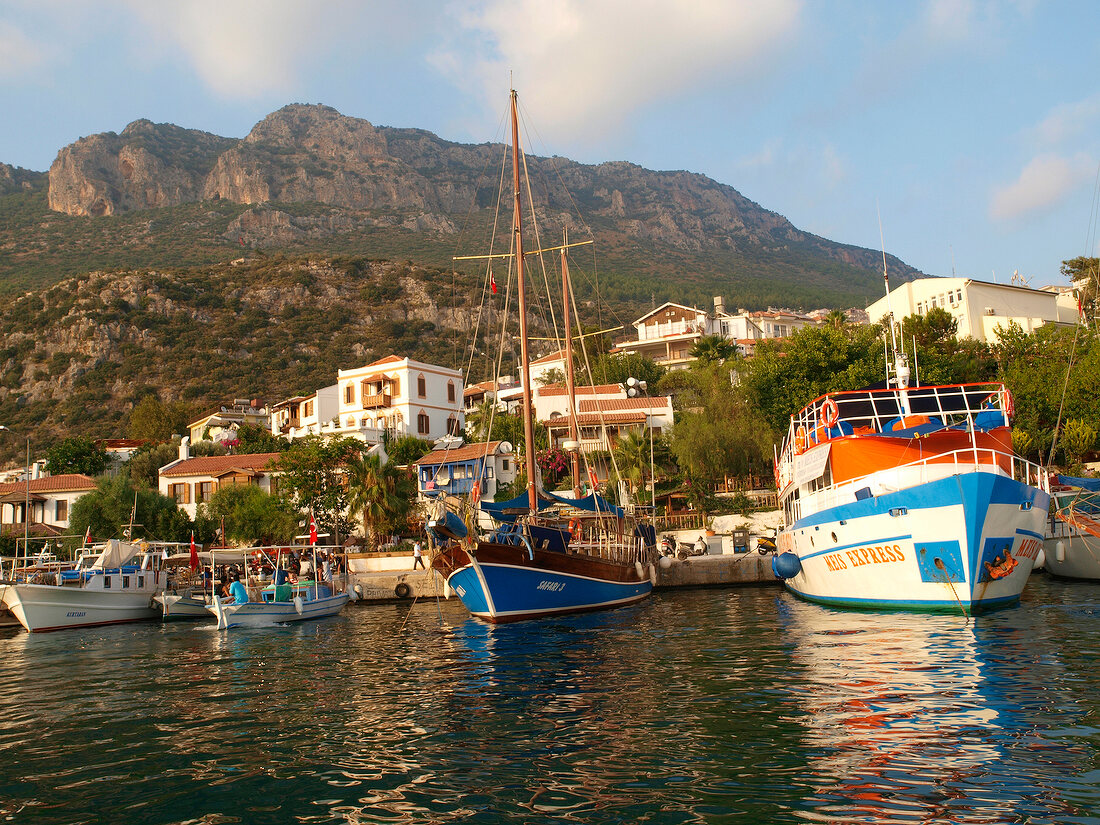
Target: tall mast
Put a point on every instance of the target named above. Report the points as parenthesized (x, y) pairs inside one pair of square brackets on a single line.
[(517, 230), (574, 458)]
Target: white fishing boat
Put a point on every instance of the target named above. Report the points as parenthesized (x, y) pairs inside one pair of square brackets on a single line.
[(271, 604), (908, 497), (114, 583), (1072, 546)]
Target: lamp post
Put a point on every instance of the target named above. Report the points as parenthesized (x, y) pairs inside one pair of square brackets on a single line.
[(635, 388)]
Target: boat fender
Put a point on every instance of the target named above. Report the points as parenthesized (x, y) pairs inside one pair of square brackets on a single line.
[(786, 566), (639, 569), (402, 591), (1060, 551), (665, 562), (1041, 559), (653, 574), (358, 591), (299, 605)]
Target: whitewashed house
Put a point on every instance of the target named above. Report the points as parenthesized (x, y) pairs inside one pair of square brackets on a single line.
[(401, 396), (305, 414), (192, 481), (46, 502)]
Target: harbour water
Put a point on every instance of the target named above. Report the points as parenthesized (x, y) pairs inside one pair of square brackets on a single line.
[(707, 706)]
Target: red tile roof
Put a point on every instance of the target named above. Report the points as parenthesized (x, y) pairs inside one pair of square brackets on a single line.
[(64, 483), (216, 465), (463, 453), (586, 419), (599, 389), (554, 356), (389, 359), (591, 405)]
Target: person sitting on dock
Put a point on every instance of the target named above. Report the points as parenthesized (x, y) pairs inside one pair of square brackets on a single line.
[(238, 591)]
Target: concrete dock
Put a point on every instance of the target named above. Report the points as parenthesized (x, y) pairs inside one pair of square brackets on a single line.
[(393, 583)]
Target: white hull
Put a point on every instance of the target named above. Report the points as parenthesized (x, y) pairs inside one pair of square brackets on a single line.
[(268, 614), (40, 607), (928, 547), (182, 606), (1073, 555)]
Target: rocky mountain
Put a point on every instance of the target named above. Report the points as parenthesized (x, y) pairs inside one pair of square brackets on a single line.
[(307, 174)]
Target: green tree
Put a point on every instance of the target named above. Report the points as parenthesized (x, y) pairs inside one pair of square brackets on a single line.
[(1078, 438), (313, 477), (407, 448), (615, 368), (153, 420), (380, 494), (76, 455), (143, 468), (107, 511), (252, 439), (250, 515), (713, 349), (632, 459), (1085, 274)]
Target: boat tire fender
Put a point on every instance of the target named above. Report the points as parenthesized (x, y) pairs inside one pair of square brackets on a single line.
[(402, 591)]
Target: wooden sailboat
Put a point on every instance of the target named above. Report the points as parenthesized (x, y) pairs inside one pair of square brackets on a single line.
[(533, 564)]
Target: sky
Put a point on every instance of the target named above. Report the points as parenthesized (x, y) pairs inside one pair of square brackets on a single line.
[(962, 134)]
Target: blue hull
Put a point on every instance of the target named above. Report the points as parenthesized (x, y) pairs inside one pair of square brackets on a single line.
[(502, 591)]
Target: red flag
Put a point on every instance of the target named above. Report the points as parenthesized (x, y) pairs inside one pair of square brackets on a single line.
[(240, 240), (312, 529), (88, 536), (593, 478), (493, 281), (194, 553)]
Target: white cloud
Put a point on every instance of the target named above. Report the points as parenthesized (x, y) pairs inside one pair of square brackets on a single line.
[(949, 19), (585, 65), (244, 48), (18, 53), (1042, 185), (1067, 121)]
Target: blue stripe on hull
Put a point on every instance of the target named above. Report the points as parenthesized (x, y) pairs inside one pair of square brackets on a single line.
[(979, 541), (526, 592)]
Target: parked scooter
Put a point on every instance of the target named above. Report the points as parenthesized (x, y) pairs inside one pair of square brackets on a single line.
[(765, 545), (689, 549)]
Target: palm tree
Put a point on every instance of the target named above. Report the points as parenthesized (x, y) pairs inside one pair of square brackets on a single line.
[(477, 420), (632, 459), (375, 491), (836, 319), (713, 349)]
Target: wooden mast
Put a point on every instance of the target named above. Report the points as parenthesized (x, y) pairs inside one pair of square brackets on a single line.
[(517, 231), (574, 458)]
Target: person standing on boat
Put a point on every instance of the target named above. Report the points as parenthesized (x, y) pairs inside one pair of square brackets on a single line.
[(238, 591), (418, 555)]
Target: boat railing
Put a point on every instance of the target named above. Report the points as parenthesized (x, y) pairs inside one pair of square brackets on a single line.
[(613, 547), (959, 406), (941, 465)]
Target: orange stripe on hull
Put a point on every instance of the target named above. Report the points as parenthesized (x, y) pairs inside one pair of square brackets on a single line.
[(857, 455)]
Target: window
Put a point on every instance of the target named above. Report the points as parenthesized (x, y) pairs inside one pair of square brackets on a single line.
[(309, 409), (180, 492), (451, 391), (452, 425), (349, 394), (959, 295), (504, 466), (106, 582), (203, 491), (422, 423), (62, 510), (421, 386), (125, 582)]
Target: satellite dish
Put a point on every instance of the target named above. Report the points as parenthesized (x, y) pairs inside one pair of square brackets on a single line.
[(506, 446)]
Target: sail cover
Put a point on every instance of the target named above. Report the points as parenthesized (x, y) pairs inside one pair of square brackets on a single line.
[(1090, 484), (592, 503), (499, 509)]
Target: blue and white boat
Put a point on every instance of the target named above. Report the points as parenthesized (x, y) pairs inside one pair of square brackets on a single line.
[(908, 497)]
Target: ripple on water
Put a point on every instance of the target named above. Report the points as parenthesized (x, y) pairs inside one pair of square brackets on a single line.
[(708, 706)]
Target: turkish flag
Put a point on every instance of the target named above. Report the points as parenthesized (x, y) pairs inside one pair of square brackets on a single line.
[(492, 282), (194, 553), (592, 477), (312, 529)]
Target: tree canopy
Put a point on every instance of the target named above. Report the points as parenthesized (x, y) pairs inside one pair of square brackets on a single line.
[(76, 455)]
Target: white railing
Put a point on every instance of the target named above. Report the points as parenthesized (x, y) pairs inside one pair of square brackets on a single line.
[(932, 468)]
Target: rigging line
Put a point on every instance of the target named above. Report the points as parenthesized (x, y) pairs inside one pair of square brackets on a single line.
[(538, 242)]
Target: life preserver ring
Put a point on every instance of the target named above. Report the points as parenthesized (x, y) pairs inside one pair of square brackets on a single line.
[(830, 413), (402, 591), (1008, 403), (800, 440)]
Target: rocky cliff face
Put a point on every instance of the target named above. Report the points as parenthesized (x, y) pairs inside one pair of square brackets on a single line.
[(16, 179), (310, 154)]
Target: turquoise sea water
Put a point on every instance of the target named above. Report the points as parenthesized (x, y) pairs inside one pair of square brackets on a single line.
[(707, 706)]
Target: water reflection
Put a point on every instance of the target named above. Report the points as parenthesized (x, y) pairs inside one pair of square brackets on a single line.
[(914, 718)]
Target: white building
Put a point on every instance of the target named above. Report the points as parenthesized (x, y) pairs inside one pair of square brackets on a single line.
[(667, 334), (454, 471), (192, 481), (221, 424), (979, 307), (305, 414), (48, 500), (399, 395)]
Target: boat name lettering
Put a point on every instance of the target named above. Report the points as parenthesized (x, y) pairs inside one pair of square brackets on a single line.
[(835, 562), (553, 587), (75, 614), (1029, 549), (879, 554)]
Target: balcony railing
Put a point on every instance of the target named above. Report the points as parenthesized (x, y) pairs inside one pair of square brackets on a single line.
[(376, 400)]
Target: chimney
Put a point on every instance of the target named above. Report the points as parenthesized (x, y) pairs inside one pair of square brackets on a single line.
[(719, 305), (185, 448)]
